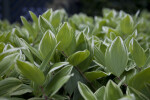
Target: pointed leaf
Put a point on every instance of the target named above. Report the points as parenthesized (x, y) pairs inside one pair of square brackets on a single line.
[(126, 25), (112, 91), (6, 63), (116, 57), (28, 27), (47, 44), (86, 93), (78, 57), (137, 53), (93, 75), (8, 85), (31, 72), (64, 36), (55, 19), (100, 93), (139, 80), (45, 25), (58, 80)]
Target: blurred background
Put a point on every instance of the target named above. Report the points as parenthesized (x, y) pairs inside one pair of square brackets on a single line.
[(13, 9)]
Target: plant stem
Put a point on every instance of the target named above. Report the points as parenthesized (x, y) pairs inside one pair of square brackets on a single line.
[(80, 72), (124, 83), (46, 98), (84, 77)]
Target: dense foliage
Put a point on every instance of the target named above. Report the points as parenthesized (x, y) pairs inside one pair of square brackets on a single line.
[(57, 57)]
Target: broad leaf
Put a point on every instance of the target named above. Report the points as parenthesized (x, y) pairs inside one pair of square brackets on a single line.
[(58, 80), (2, 45), (112, 91), (47, 44), (99, 56), (64, 36), (140, 80), (28, 27), (137, 53), (93, 75), (78, 57), (116, 57), (127, 25), (100, 93), (9, 85), (22, 90), (6, 63), (31, 72), (57, 66), (86, 93), (45, 25)]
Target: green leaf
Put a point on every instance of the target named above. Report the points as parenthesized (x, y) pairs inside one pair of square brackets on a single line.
[(112, 91), (128, 97), (47, 14), (47, 44), (31, 72), (45, 25), (100, 93), (58, 80), (47, 59), (33, 50), (22, 90), (28, 27), (86, 93), (116, 57), (99, 56), (26, 51), (93, 75), (2, 45), (137, 53), (55, 19), (127, 25), (6, 63), (140, 80), (8, 86), (64, 36), (34, 17), (78, 57), (57, 66), (138, 94)]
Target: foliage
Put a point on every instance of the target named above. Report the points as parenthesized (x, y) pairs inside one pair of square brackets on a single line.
[(57, 57)]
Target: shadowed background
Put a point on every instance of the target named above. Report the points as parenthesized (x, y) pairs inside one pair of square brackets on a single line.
[(13, 9)]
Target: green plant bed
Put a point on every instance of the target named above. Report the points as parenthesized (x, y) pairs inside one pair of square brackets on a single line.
[(57, 57)]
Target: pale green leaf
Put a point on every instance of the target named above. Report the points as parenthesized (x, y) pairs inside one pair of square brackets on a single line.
[(116, 57), (45, 25), (64, 36), (127, 25), (47, 44), (58, 80), (86, 93), (137, 53), (6, 63), (100, 93), (31, 72), (140, 80), (112, 91), (78, 57), (9, 85), (28, 27), (93, 75)]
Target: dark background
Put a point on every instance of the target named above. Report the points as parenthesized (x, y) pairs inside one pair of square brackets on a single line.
[(13, 9)]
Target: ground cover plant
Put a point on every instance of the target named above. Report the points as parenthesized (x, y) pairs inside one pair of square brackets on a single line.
[(57, 57)]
